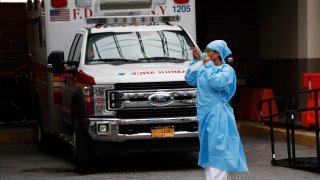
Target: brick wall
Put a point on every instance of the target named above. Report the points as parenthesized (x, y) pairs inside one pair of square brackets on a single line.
[(13, 35), (236, 22)]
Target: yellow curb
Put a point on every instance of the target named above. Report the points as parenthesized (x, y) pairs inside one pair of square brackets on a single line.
[(259, 130), (16, 135)]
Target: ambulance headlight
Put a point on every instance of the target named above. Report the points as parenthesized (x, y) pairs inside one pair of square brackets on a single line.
[(100, 100), (115, 100)]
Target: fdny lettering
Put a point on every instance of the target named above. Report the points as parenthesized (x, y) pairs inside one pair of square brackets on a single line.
[(158, 72), (82, 13), (159, 10)]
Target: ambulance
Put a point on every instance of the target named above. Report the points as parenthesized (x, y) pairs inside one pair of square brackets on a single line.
[(108, 75)]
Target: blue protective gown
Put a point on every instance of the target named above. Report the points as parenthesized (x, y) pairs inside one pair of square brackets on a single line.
[(220, 144)]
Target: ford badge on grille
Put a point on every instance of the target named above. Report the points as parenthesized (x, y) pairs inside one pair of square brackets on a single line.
[(160, 99)]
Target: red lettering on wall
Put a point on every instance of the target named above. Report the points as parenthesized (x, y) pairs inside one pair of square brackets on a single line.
[(88, 13), (153, 11), (157, 10), (76, 13), (163, 9)]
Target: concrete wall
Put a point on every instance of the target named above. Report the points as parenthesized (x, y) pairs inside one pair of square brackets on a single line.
[(302, 29), (310, 13), (278, 46), (289, 43), (273, 41), (277, 29), (313, 19), (309, 34), (289, 31)]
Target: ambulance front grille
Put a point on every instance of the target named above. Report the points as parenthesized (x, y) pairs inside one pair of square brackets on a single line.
[(153, 85), (183, 103), (156, 113)]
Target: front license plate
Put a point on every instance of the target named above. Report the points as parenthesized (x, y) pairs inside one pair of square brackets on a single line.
[(162, 132)]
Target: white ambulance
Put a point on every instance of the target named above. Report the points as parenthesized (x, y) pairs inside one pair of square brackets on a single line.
[(109, 75)]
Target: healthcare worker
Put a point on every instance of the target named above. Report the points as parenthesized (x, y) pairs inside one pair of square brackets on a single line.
[(221, 149)]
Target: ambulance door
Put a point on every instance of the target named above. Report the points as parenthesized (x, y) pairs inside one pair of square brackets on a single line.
[(69, 83)]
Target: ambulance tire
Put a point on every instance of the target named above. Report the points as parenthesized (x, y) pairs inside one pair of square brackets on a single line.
[(43, 137), (82, 149)]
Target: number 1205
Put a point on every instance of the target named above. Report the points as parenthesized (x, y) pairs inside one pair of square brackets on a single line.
[(183, 8)]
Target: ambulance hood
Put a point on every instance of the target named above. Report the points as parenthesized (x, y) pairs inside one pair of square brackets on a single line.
[(136, 72)]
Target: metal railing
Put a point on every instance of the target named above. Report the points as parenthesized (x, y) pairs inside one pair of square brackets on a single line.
[(290, 114)]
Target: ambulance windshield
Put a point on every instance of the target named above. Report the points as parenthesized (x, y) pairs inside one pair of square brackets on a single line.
[(142, 46)]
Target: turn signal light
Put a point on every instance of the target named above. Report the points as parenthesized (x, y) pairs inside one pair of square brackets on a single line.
[(84, 78)]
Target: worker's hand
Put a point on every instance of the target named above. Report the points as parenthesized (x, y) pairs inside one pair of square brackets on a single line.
[(196, 53), (206, 59)]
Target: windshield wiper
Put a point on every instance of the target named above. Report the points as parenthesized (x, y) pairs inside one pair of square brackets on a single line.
[(162, 58)]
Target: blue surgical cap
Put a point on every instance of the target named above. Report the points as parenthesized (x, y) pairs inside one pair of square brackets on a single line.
[(220, 46)]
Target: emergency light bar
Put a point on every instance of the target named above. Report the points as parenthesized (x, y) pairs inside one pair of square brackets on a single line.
[(124, 4), (132, 20)]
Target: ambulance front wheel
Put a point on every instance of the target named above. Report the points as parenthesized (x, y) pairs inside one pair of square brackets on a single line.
[(82, 148), (43, 137)]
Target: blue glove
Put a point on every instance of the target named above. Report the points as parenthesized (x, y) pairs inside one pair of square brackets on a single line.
[(203, 55)]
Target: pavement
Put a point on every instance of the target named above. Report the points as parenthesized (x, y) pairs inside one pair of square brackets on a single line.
[(22, 134), (21, 159), (28, 162)]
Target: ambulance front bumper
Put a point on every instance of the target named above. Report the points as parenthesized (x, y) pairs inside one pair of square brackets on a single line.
[(119, 130)]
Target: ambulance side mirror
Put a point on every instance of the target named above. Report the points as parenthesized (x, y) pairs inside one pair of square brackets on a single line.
[(56, 62)]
